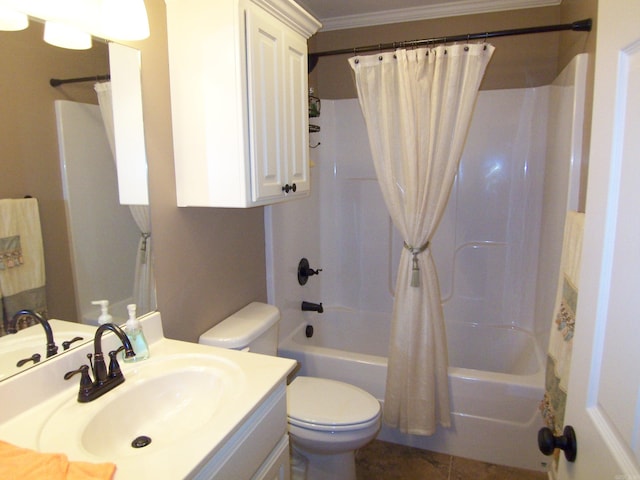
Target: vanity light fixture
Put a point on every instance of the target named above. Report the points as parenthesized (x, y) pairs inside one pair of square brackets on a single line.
[(11, 20), (124, 19), (66, 36), (108, 19)]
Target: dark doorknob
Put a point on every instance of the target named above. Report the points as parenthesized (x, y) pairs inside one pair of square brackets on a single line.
[(566, 442)]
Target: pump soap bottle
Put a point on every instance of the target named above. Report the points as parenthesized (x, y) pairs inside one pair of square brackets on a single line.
[(104, 311), (133, 329)]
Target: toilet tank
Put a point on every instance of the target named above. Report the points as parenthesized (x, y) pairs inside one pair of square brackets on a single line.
[(253, 328)]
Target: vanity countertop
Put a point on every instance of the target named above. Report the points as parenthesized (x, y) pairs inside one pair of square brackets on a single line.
[(42, 402)]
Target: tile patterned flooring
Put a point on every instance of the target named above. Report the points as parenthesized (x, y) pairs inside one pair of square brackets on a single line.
[(387, 461)]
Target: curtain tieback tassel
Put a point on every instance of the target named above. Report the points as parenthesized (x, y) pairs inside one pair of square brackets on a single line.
[(415, 270)]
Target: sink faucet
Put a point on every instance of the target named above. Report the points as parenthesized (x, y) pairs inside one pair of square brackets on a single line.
[(104, 380), (12, 327)]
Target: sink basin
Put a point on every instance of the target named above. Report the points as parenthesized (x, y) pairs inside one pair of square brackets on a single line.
[(161, 402)]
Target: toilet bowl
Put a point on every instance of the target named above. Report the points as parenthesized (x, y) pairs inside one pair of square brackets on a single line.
[(328, 420)]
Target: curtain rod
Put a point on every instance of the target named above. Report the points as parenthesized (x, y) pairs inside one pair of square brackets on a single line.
[(579, 26), (55, 82)]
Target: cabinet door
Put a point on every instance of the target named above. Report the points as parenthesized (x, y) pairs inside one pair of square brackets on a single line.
[(266, 104), (276, 466), (297, 108)]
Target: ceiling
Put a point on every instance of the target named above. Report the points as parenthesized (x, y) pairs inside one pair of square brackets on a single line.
[(339, 14)]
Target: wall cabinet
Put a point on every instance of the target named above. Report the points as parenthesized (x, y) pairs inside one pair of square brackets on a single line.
[(238, 71)]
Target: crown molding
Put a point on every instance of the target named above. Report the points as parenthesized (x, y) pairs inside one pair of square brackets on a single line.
[(291, 14), (426, 12)]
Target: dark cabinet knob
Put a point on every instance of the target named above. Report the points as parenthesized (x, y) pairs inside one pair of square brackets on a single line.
[(289, 188)]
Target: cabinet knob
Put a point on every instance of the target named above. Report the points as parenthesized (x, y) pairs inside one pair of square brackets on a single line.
[(289, 188)]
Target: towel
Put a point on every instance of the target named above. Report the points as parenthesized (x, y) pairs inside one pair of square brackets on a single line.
[(562, 328), (17, 462), (22, 272)]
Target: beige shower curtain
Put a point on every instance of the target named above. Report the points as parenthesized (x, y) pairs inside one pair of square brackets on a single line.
[(417, 106)]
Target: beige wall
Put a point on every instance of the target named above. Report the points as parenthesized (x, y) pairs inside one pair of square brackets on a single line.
[(571, 45), (509, 67), (28, 136), (209, 262)]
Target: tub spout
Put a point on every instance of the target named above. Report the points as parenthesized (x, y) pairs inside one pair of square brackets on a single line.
[(312, 307)]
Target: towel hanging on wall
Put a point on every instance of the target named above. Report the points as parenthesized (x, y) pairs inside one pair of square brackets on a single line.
[(22, 272)]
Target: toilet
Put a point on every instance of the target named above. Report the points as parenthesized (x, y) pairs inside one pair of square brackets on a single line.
[(328, 420)]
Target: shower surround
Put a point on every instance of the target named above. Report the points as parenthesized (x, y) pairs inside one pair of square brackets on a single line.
[(496, 249)]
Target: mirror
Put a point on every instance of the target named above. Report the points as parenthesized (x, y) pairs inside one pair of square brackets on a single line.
[(28, 347), (32, 165)]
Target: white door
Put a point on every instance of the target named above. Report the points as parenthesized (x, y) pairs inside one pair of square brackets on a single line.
[(603, 402)]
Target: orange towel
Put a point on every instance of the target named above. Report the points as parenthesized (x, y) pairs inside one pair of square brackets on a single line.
[(24, 464)]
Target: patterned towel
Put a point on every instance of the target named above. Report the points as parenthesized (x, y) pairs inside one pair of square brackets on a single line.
[(561, 339), (22, 274)]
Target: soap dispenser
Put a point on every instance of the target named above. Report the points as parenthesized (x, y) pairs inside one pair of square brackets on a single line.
[(104, 311), (133, 329)]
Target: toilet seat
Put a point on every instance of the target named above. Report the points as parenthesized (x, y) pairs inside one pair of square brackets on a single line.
[(328, 405)]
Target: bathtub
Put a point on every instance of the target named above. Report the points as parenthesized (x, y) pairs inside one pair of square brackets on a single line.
[(495, 397)]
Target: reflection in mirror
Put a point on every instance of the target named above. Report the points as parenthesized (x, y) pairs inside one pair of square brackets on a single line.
[(32, 166), (28, 346)]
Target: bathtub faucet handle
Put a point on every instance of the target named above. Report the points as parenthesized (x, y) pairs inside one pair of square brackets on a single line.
[(305, 271), (312, 307)]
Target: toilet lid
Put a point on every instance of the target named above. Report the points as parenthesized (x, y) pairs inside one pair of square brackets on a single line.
[(320, 402)]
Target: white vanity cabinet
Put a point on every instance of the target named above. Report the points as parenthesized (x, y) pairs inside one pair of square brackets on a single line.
[(238, 71), (259, 449)]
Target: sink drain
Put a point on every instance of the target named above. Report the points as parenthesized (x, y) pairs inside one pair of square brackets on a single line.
[(141, 441)]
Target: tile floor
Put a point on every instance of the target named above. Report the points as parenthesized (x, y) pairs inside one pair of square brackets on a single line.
[(387, 461)]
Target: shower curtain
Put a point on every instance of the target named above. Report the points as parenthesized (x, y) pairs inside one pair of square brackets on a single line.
[(417, 106), (144, 288)]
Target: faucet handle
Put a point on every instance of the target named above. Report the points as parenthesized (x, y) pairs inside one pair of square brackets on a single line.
[(67, 343), (85, 379), (114, 366), (35, 358), (83, 370)]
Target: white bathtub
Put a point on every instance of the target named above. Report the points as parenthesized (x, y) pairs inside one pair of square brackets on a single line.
[(496, 381)]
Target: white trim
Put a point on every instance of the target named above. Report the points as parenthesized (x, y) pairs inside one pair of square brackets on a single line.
[(291, 14), (440, 10)]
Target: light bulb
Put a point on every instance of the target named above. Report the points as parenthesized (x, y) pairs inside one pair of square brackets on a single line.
[(66, 36), (125, 19), (12, 21)]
